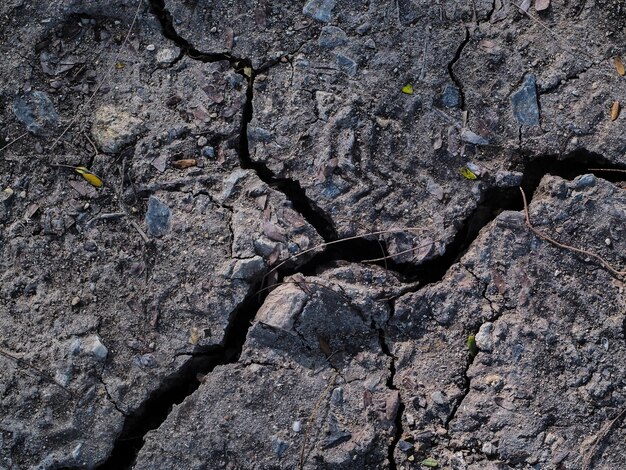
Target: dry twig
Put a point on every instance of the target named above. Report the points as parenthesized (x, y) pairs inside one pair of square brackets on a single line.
[(27, 366), (603, 433), (599, 258), (19, 137), (104, 79)]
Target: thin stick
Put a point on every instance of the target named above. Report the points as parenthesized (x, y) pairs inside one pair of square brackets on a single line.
[(603, 433), (105, 78), (20, 137), (601, 260), (95, 149), (341, 240), (40, 373), (111, 215), (392, 255), (312, 417)]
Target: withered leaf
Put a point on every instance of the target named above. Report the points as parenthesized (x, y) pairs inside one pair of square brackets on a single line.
[(619, 65), (615, 110), (184, 163)]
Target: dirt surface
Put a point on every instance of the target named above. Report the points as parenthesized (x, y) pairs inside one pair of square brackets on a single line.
[(223, 147)]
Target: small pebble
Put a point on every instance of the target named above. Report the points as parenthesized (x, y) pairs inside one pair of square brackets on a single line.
[(214, 29), (607, 242), (150, 47), (75, 301), (202, 141), (296, 426)]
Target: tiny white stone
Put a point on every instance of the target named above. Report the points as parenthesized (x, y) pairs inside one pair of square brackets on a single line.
[(296, 426), (607, 242), (150, 47)]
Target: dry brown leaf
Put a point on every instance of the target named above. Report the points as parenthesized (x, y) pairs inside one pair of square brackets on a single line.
[(184, 163), (615, 110), (619, 65), (541, 5)]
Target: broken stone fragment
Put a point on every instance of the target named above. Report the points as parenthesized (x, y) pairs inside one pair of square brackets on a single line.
[(158, 217), (483, 337), (347, 65), (94, 346), (35, 111), (248, 269), (473, 138), (451, 97), (331, 37), (113, 128), (167, 55), (524, 102), (319, 10)]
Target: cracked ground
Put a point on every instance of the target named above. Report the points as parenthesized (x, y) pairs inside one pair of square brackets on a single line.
[(310, 248)]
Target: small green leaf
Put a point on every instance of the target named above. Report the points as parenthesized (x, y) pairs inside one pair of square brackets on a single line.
[(467, 173), (408, 89), (471, 344), (430, 462)]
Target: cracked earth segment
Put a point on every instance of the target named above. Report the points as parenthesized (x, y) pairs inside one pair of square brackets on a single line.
[(369, 155), (549, 328), (254, 413), (563, 54), (373, 157), (85, 299)]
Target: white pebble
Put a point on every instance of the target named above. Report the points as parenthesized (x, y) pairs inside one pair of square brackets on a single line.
[(296, 426), (150, 47)]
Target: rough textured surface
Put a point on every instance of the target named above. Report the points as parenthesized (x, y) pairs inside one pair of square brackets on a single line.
[(233, 135)]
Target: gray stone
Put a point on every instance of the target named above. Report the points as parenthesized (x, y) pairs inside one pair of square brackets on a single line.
[(248, 268), (524, 102), (473, 138), (36, 111), (331, 37), (337, 396), (113, 128), (584, 181), (167, 55), (319, 10), (483, 337), (347, 65), (158, 217), (208, 152), (451, 97), (279, 446), (93, 345)]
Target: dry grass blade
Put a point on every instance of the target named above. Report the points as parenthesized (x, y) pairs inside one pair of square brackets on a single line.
[(617, 170), (309, 422), (603, 433), (104, 79), (393, 255), (18, 138), (341, 240), (597, 257)]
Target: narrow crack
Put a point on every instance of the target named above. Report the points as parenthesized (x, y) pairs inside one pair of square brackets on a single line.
[(452, 63), (398, 429), (466, 387)]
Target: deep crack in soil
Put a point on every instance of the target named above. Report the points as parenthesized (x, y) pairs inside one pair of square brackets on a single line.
[(181, 384), (185, 381)]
